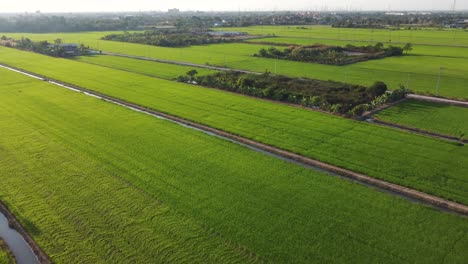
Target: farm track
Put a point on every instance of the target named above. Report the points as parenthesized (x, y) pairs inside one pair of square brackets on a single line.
[(178, 63), (405, 192), (15, 224), (438, 100)]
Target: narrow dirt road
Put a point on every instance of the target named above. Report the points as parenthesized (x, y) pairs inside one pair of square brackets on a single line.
[(438, 100)]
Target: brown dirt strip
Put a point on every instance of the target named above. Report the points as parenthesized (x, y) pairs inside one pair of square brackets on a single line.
[(401, 190), (15, 224)]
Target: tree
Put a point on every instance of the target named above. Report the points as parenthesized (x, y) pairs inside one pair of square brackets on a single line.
[(408, 47), (58, 41), (378, 88)]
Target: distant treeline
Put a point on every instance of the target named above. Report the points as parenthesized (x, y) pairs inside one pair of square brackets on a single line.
[(340, 98), (332, 55), (167, 38)]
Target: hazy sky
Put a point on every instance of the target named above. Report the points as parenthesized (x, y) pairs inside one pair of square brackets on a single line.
[(214, 5)]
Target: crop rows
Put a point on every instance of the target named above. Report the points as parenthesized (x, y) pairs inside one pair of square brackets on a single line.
[(433, 166), (434, 117), (99, 183)]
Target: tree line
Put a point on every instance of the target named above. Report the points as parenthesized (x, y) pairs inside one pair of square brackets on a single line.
[(335, 97), (333, 55), (168, 38), (55, 49)]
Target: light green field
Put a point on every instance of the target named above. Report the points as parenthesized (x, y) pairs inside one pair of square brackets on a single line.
[(423, 163), (160, 70), (452, 37), (5, 255), (100, 183), (440, 118), (421, 70)]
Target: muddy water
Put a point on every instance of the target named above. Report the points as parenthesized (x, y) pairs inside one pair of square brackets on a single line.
[(18, 246)]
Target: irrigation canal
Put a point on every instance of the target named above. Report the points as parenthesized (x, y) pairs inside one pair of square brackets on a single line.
[(16, 243)]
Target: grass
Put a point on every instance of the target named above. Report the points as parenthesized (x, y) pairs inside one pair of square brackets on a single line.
[(100, 183), (440, 118), (427, 164), (421, 68), (160, 70), (6, 257)]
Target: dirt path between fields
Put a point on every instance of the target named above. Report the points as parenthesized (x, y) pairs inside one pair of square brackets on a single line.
[(438, 100), (406, 192), (16, 225)]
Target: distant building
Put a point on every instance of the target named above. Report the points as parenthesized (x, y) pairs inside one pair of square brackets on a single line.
[(173, 11), (462, 23), (70, 49)]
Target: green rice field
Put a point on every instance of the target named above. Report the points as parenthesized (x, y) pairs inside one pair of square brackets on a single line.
[(419, 70), (427, 164), (451, 37), (95, 182), (160, 70), (434, 117)]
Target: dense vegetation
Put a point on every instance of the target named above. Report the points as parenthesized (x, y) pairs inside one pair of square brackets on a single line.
[(56, 49), (332, 55), (430, 165), (168, 38), (440, 118), (6, 257), (340, 98), (89, 185)]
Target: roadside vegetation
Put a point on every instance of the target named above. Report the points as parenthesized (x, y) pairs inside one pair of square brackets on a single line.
[(6, 257), (434, 117), (101, 193), (332, 55), (334, 97), (427, 164)]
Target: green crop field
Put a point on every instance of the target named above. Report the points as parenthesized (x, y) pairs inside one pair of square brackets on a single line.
[(420, 70), (440, 118), (5, 255), (430, 165), (160, 70), (96, 182), (452, 37)]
